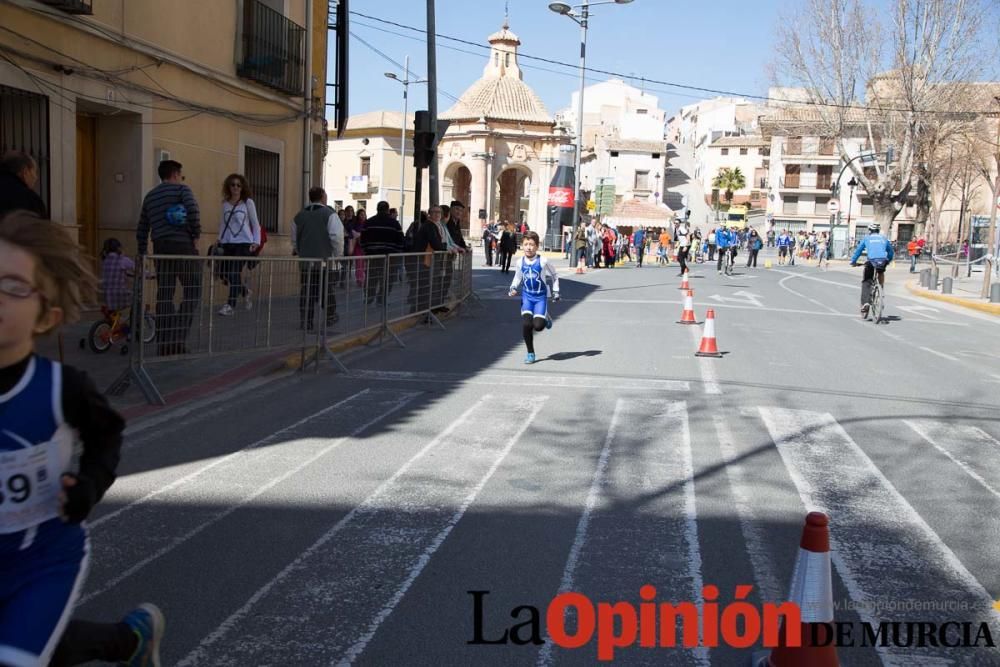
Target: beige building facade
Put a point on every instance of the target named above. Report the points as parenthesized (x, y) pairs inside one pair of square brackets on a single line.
[(498, 156), (100, 92)]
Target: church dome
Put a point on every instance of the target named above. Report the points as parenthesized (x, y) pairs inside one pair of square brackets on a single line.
[(501, 94)]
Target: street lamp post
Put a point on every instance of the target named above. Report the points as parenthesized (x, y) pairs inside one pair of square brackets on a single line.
[(402, 133), (582, 18)]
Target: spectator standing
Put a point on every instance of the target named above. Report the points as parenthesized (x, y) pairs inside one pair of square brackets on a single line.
[(239, 237), (381, 236), (18, 178), (913, 250), (317, 234), (488, 237), (170, 215), (711, 245), (822, 250), (639, 241), (580, 246), (754, 244), (360, 221), (429, 240), (508, 246)]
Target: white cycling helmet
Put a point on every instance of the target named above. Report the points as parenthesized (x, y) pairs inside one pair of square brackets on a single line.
[(874, 227)]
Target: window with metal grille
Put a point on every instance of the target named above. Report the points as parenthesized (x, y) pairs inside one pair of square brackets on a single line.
[(263, 171), (24, 126)]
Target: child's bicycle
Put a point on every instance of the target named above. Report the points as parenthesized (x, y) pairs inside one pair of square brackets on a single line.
[(115, 328)]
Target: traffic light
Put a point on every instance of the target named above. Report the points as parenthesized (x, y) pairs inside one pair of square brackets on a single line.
[(423, 140)]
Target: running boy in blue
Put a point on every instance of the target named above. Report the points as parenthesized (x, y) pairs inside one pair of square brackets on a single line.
[(59, 448), (532, 276)]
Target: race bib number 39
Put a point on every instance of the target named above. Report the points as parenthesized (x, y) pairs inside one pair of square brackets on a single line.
[(29, 486)]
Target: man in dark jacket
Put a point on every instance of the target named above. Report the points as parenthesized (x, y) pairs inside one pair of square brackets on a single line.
[(456, 214), (382, 236), (18, 177), (170, 215), (318, 234)]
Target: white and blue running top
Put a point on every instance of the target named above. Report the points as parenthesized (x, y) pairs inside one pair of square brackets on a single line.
[(534, 276)]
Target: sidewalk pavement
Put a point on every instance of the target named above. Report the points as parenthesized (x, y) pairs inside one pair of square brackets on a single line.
[(178, 381), (965, 291)]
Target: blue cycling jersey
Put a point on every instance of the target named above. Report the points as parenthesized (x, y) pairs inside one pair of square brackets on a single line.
[(877, 247)]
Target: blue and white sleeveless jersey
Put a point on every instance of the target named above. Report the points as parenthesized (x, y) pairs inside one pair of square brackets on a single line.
[(36, 448)]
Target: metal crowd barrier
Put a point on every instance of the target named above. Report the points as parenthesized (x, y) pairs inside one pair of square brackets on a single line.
[(217, 305)]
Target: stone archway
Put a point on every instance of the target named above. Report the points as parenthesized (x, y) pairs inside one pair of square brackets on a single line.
[(512, 194), (457, 185)]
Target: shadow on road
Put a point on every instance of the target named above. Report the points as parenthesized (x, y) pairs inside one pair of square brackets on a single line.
[(566, 356)]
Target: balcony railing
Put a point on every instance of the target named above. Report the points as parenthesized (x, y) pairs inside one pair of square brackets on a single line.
[(797, 149), (273, 49), (71, 6)]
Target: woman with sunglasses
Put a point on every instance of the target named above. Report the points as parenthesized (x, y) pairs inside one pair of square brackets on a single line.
[(239, 237)]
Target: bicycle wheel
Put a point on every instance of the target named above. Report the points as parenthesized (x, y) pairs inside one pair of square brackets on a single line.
[(99, 337), (878, 303), (148, 328)]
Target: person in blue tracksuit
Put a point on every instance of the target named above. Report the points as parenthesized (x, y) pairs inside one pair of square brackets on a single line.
[(880, 253), (532, 276), (723, 239), (59, 448)]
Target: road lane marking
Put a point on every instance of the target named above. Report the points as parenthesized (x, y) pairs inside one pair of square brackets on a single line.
[(520, 379), (642, 481), (882, 548), (654, 302), (388, 538), (274, 437), (781, 284), (941, 354), (970, 448), (706, 366), (756, 544), (137, 565)]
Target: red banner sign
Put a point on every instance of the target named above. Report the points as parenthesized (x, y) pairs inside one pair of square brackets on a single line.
[(561, 197)]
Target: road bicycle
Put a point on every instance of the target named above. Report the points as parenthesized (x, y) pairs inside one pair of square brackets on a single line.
[(876, 296)]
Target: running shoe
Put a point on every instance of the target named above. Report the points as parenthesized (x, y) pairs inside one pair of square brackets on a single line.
[(548, 321), (147, 622), (530, 359), (226, 310)]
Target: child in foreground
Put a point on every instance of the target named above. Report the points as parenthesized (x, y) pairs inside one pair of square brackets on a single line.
[(59, 448), (531, 275)]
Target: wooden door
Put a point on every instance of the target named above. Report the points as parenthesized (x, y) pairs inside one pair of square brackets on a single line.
[(86, 183)]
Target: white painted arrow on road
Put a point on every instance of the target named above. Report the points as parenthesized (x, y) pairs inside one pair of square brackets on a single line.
[(747, 297)]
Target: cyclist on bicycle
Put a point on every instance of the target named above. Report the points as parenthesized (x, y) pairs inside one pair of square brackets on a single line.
[(879, 255), (724, 239)]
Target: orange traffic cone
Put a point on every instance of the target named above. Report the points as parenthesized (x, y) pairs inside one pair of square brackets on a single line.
[(708, 347), (812, 591), (684, 282), (687, 316)]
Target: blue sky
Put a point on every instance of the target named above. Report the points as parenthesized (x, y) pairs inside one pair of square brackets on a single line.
[(723, 45)]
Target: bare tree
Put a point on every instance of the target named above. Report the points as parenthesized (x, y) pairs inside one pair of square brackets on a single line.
[(913, 72)]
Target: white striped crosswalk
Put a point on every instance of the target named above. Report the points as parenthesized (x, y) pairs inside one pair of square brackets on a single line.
[(637, 522)]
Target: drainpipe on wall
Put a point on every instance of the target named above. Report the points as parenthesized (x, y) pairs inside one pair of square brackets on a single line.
[(307, 109)]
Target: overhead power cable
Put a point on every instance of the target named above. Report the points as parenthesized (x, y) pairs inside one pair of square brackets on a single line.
[(672, 84)]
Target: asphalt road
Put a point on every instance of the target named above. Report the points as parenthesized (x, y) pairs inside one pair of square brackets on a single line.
[(330, 519)]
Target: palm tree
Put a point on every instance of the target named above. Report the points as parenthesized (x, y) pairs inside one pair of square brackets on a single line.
[(729, 180)]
